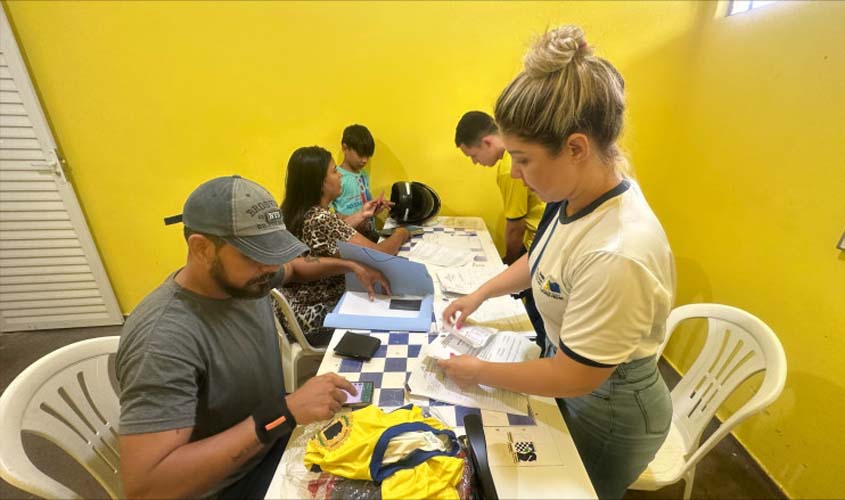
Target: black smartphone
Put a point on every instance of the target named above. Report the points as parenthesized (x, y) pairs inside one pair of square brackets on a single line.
[(405, 304), (364, 396)]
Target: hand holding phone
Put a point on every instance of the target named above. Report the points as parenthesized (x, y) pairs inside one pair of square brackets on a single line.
[(364, 396)]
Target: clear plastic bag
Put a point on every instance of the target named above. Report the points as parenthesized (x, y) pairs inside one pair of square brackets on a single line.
[(302, 483)]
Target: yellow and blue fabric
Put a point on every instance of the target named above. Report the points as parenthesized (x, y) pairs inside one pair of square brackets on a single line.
[(519, 202), (356, 446)]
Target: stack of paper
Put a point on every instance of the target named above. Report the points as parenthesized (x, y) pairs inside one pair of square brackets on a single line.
[(428, 380), (502, 313)]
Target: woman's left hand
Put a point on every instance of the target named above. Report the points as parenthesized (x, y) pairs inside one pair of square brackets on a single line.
[(464, 370)]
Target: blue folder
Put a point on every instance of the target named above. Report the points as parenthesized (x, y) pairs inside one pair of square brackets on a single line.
[(405, 277)]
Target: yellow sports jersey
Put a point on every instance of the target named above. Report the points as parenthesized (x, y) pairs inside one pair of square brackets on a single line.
[(412, 456), (520, 203)]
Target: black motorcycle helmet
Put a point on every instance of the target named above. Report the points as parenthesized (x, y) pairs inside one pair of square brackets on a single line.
[(414, 202)]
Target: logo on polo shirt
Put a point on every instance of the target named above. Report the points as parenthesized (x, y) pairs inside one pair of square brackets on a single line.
[(548, 286)]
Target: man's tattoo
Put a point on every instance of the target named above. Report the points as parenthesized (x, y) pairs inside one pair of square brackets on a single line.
[(311, 258)]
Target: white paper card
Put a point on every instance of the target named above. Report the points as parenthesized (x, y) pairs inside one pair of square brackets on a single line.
[(358, 304)]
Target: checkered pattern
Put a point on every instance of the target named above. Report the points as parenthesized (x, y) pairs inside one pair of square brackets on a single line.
[(525, 451), (389, 370)]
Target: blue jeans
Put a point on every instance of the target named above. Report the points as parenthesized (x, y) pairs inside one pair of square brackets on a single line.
[(619, 426)]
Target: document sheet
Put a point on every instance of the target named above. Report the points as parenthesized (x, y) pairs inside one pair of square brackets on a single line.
[(358, 304), (464, 241), (427, 379), (465, 280), (439, 255), (502, 313)]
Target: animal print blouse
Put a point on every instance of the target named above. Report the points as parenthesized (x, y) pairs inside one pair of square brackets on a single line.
[(311, 302)]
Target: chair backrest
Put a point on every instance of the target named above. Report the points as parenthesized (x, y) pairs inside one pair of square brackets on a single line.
[(290, 324), (66, 397), (738, 345)]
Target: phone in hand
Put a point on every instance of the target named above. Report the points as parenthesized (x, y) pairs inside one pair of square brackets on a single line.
[(364, 396)]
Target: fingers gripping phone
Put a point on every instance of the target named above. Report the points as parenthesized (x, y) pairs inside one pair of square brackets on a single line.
[(364, 396)]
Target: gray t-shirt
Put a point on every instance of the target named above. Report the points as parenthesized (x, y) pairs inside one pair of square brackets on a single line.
[(186, 360)]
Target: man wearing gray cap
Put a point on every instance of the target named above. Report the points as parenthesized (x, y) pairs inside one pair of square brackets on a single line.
[(203, 407)]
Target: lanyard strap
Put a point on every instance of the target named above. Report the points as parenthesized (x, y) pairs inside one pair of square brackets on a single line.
[(556, 222), (362, 189)]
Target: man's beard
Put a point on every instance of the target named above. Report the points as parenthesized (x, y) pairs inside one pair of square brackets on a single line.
[(253, 289)]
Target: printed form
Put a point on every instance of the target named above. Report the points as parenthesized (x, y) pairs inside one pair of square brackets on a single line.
[(438, 255), (466, 280), (428, 380)]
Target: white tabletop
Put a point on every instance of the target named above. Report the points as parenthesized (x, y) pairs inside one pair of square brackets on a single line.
[(557, 472)]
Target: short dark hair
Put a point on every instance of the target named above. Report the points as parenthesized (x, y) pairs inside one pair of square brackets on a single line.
[(473, 127), (359, 139), (307, 169), (217, 240)]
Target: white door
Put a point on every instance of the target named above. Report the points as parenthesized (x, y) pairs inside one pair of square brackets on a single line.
[(50, 273)]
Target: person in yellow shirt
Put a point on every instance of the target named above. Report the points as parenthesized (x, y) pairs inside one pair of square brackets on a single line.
[(477, 136)]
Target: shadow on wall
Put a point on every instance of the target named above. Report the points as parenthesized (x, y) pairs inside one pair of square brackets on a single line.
[(387, 169), (799, 401)]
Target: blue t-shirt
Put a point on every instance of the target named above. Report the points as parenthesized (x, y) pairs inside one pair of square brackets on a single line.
[(354, 192)]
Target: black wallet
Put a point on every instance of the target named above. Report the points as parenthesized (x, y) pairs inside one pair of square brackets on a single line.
[(355, 345)]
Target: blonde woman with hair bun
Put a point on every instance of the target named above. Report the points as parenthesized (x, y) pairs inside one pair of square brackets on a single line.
[(600, 268)]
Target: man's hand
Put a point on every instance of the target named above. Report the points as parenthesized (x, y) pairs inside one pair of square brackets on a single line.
[(369, 277), (464, 370), (319, 398)]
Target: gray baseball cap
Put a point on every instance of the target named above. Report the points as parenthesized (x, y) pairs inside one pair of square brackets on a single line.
[(245, 215)]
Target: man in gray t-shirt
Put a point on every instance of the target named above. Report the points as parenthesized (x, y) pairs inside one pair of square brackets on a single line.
[(202, 399)]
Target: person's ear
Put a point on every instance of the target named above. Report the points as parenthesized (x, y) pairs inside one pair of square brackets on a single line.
[(202, 248), (578, 147), (487, 141)]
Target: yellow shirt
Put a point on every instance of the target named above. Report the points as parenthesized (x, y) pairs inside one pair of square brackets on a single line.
[(519, 202), (412, 456)]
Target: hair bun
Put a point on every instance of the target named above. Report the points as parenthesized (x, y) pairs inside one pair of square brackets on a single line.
[(555, 50)]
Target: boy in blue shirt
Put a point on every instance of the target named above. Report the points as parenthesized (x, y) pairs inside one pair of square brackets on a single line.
[(355, 204)]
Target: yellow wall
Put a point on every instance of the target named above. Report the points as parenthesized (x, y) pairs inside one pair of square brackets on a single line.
[(733, 125), (148, 99), (736, 134)]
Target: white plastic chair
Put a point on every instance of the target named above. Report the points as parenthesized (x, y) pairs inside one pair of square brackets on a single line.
[(738, 345), (300, 359), (66, 397)]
